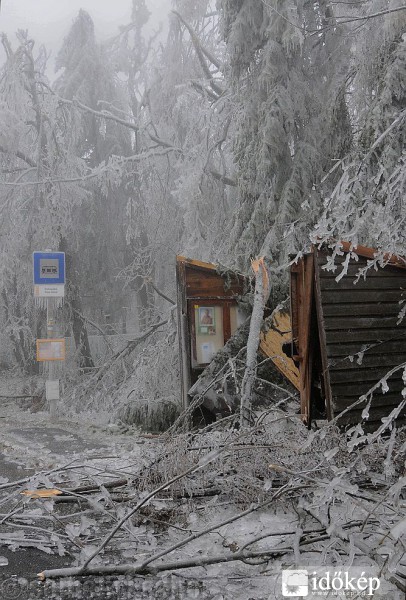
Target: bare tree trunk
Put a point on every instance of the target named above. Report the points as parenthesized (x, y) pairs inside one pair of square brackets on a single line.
[(78, 322), (13, 313), (80, 331), (260, 298)]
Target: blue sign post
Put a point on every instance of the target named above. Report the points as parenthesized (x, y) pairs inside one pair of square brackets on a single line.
[(49, 268), (49, 291)]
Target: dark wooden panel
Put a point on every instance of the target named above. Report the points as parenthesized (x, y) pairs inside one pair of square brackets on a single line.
[(394, 346), (361, 374), (226, 321), (388, 400), (322, 258), (370, 309), (364, 256), (370, 283), (375, 416), (364, 335), (209, 284), (359, 314), (350, 322), (354, 269), (357, 295), (356, 389), (368, 361)]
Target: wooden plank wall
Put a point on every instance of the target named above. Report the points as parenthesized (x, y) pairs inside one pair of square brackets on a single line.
[(303, 334), (363, 318), (207, 283)]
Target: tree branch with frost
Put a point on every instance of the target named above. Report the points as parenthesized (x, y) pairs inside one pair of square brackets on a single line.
[(349, 19), (223, 178), (109, 116), (211, 528), (201, 52), (142, 503), (338, 20), (19, 154), (199, 46), (103, 114), (204, 91), (366, 549), (98, 171), (131, 345), (161, 142), (159, 292), (242, 554), (398, 121), (134, 569), (93, 324), (205, 460), (143, 567)]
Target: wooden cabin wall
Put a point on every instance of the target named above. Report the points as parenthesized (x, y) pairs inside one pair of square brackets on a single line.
[(362, 318), (301, 295), (203, 283), (200, 283)]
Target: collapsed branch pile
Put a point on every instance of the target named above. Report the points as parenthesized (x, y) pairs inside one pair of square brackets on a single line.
[(275, 492)]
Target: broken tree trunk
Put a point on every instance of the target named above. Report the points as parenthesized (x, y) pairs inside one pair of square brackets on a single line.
[(261, 295)]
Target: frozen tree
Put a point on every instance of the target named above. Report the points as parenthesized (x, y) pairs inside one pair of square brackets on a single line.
[(366, 205), (87, 85), (40, 186), (292, 117)]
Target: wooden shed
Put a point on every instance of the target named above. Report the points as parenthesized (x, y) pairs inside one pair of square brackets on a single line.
[(347, 334), (208, 314)]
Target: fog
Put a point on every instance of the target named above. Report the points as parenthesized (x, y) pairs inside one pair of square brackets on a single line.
[(49, 21)]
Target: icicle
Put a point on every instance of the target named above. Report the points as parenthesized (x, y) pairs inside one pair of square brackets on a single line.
[(41, 303)]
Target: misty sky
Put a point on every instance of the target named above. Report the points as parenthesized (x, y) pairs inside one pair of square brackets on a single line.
[(48, 21)]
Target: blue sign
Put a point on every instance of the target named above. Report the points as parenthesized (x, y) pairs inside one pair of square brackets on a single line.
[(49, 268)]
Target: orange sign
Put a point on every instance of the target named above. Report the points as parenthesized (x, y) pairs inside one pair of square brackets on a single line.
[(52, 349)]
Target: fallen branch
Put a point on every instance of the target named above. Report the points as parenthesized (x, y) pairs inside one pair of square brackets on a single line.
[(203, 462), (131, 345), (158, 291), (93, 488), (199, 534), (130, 569), (11, 484), (140, 504), (360, 544), (20, 397), (93, 324)]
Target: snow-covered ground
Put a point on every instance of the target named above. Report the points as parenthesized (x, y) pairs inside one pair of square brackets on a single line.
[(233, 497)]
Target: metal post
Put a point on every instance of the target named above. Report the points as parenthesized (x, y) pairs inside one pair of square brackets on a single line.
[(49, 288), (51, 333)]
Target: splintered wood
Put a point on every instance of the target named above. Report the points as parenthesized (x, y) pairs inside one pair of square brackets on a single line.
[(271, 346)]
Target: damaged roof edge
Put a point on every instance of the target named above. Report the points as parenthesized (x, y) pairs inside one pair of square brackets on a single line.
[(368, 252)]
